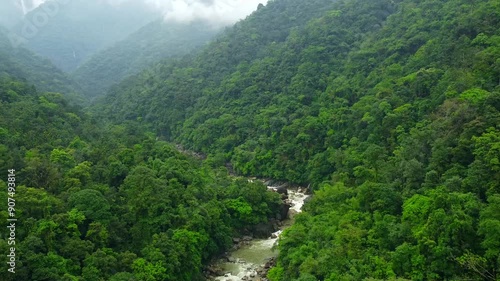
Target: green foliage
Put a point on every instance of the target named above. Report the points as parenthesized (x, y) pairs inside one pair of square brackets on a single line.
[(275, 273), (475, 96), (388, 109), (105, 202), (91, 203), (25, 65)]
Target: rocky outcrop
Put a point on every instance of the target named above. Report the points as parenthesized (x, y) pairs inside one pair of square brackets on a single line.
[(283, 214), (240, 241), (281, 189), (212, 271), (263, 270), (264, 229)]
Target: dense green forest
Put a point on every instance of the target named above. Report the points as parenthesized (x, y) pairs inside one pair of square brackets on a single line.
[(147, 46), (389, 109), (109, 202)]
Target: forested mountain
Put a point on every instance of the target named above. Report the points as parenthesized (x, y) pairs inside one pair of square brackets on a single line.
[(68, 32), (388, 108), (21, 63), (175, 86), (150, 44)]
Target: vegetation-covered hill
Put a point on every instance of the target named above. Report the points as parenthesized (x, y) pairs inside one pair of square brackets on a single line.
[(101, 202), (69, 32), (147, 46), (175, 86), (390, 109), (21, 63)]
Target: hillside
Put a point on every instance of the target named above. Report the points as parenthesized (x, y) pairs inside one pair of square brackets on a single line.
[(147, 46), (95, 201), (71, 31), (23, 64), (174, 87), (389, 109)]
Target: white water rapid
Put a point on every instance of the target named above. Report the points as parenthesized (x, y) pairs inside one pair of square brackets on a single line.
[(242, 264)]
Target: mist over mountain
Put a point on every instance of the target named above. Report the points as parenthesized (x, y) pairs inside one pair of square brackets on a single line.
[(23, 64), (10, 13), (217, 12), (149, 45), (220, 12), (13, 11), (386, 111), (68, 32)]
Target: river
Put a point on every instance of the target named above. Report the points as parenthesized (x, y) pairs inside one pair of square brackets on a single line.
[(242, 264)]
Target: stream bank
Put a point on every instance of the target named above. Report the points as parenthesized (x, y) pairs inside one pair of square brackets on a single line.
[(251, 258)]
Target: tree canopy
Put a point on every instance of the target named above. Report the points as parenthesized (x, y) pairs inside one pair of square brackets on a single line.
[(387, 109)]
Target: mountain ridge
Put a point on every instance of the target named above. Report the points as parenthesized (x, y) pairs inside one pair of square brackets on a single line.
[(68, 32), (152, 43), (389, 109)]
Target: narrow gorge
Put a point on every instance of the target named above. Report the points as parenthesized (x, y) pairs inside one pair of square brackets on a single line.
[(251, 258)]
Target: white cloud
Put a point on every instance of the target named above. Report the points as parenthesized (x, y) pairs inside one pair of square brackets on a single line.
[(28, 5), (217, 11), (37, 3)]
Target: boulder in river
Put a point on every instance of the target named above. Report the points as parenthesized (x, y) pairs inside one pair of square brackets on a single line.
[(284, 209), (247, 238), (214, 270), (282, 189), (263, 230)]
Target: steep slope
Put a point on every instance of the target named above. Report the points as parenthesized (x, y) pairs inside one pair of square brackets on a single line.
[(21, 63), (103, 202), (149, 45), (68, 32), (390, 109), (173, 87)]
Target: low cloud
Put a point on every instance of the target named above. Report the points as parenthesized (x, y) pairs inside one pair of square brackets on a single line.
[(28, 5), (216, 11), (220, 12)]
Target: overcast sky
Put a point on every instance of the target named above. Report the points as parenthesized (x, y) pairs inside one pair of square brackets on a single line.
[(217, 11)]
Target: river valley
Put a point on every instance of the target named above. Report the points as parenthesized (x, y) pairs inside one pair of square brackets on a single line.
[(250, 260)]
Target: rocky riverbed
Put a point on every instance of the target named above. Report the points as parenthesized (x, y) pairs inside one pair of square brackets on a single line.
[(252, 258)]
